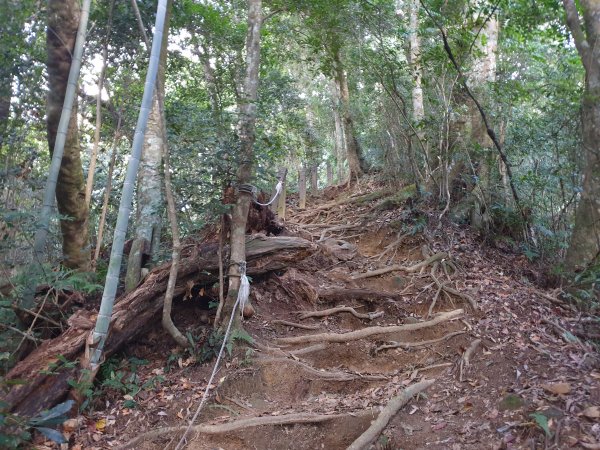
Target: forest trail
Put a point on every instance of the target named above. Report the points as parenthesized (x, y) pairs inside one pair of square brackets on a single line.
[(507, 373)]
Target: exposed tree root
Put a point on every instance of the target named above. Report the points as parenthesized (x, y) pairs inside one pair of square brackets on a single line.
[(286, 419), (397, 267), (370, 331), (465, 361), (395, 344), (339, 309), (447, 289), (344, 295), (330, 375), (372, 433), (296, 325)]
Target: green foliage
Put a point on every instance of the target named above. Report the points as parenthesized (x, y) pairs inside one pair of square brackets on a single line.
[(15, 431), (542, 422)]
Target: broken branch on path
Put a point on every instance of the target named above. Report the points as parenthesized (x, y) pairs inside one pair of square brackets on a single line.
[(397, 267), (395, 344), (295, 325), (371, 331), (339, 309), (391, 409)]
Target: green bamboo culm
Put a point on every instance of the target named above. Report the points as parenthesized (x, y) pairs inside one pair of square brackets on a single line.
[(112, 277), (43, 224)]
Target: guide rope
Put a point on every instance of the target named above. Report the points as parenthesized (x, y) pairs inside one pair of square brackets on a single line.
[(242, 298), (253, 190)]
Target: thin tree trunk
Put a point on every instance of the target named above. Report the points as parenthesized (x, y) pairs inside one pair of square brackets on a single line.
[(94, 154), (302, 188), (279, 203), (329, 174), (417, 89), (314, 179), (246, 133), (63, 22), (107, 191), (167, 321), (150, 202), (339, 143)]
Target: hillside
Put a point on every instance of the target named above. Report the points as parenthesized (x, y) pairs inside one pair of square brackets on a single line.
[(332, 347)]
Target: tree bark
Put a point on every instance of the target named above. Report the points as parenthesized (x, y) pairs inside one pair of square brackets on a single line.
[(63, 20), (584, 249), (417, 88), (339, 144), (353, 151), (134, 313), (246, 134), (302, 188), (150, 201), (314, 179)]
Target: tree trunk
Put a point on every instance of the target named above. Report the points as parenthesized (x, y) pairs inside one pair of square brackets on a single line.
[(339, 143), (278, 206), (584, 249), (329, 174), (314, 179), (353, 151), (302, 188), (107, 191), (482, 74), (5, 96), (246, 134), (94, 154), (63, 20), (417, 89), (150, 201)]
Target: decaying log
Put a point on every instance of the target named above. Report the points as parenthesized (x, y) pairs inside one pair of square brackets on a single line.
[(133, 313)]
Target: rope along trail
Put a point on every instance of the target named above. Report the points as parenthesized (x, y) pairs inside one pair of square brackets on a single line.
[(242, 298)]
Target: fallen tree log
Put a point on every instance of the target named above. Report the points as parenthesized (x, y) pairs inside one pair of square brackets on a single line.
[(46, 384)]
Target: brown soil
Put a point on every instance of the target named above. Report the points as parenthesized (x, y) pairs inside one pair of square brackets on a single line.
[(509, 386)]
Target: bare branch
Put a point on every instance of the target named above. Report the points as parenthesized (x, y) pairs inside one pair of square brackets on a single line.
[(583, 47)]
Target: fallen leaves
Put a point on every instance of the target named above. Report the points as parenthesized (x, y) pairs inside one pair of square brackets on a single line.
[(557, 388), (591, 412)]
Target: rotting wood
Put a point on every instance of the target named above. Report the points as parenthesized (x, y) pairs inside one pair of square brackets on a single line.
[(395, 344), (339, 309), (295, 325), (371, 331), (397, 267), (229, 427), (391, 409), (134, 312)]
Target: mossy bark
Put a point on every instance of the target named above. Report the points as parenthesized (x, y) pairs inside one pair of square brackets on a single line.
[(63, 21)]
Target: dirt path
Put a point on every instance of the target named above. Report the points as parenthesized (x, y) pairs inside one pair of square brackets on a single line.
[(335, 343)]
